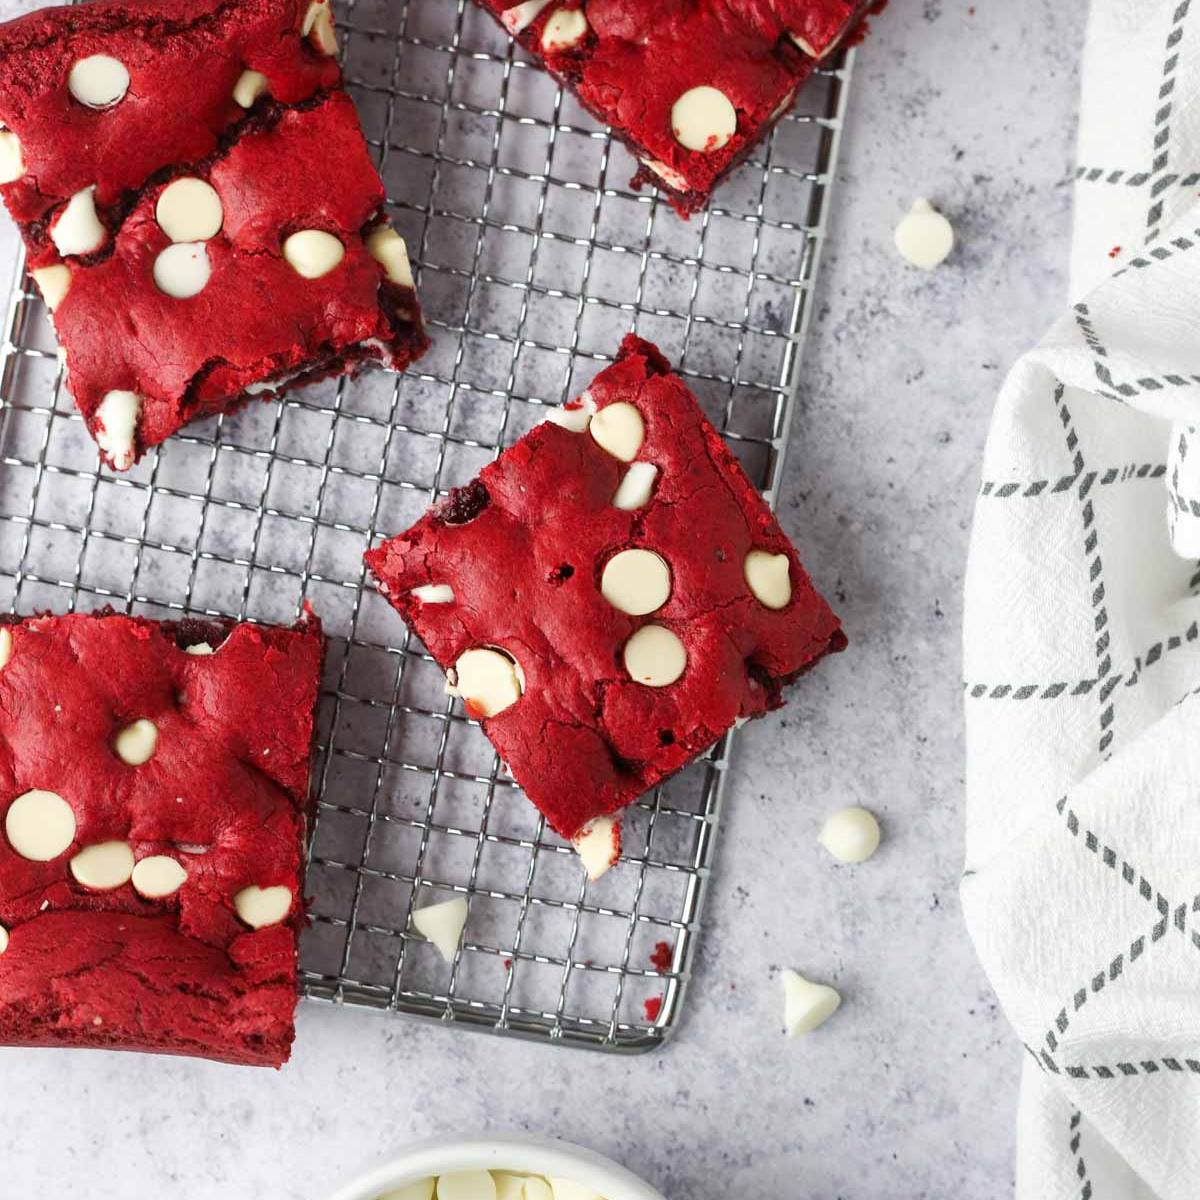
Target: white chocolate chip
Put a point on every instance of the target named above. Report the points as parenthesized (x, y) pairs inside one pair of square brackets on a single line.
[(434, 593), (466, 1185), (636, 581), (703, 119), (53, 283), (442, 924), (655, 656), (566, 28), (488, 681), (619, 429), (520, 16), (768, 577), (182, 270), (104, 866), (599, 845), (636, 487), (806, 1004), (199, 649), (99, 81), (313, 252), (421, 1189), (40, 825), (924, 237), (318, 27), (568, 1189), (118, 416), (77, 229), (189, 210), (509, 1186), (6, 646), (668, 175), (575, 416), (390, 250), (12, 161), (158, 876), (3, 939), (260, 907), (250, 85), (806, 46), (135, 743), (851, 835), (536, 1189)]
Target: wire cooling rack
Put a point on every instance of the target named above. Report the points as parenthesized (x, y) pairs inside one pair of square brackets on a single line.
[(533, 258)]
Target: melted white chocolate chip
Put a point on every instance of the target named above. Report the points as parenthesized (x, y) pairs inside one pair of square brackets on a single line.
[(703, 119), (390, 250), (488, 680), (598, 845), (199, 649), (135, 744), (434, 593), (250, 85), (77, 229), (6, 646), (189, 210), (104, 866), (118, 416), (40, 825), (12, 161), (654, 656), (519, 17), (442, 924), (158, 876), (576, 416), (619, 429), (636, 486), (768, 577), (3, 939), (318, 27), (668, 175), (53, 283), (98, 81), (566, 28), (636, 582), (260, 907), (182, 270), (313, 252)]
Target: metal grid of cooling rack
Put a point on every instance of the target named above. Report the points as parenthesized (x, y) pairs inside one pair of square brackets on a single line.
[(533, 258)]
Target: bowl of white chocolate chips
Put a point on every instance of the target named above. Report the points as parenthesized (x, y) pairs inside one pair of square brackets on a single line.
[(507, 1167)]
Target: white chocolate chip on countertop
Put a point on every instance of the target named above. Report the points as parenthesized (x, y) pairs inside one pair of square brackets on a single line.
[(434, 593), (520, 16), (12, 161), (158, 876), (6, 646), (77, 229), (488, 680), (422, 1189), (599, 845), (769, 578), (259, 907), (98, 81), (619, 429), (466, 1185), (390, 250), (313, 252), (636, 582), (654, 656), (851, 835), (575, 416), (182, 270), (566, 28), (39, 825), (806, 1004), (189, 210), (135, 744), (924, 237), (442, 924), (250, 85), (703, 119), (118, 416), (53, 282), (636, 486), (318, 27), (103, 866)]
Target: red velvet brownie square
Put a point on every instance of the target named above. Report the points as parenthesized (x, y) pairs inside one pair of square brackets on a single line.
[(153, 795), (689, 85), (609, 597), (199, 208)]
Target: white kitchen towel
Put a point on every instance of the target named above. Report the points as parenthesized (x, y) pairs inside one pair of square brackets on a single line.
[(1082, 652)]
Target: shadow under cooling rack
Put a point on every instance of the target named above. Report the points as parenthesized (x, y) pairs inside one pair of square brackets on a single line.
[(533, 259)]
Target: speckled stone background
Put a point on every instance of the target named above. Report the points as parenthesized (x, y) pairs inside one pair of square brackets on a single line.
[(910, 1091)]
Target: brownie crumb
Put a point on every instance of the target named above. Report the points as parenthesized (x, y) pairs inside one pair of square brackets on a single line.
[(464, 503)]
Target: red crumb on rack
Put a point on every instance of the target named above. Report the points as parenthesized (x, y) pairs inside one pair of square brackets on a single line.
[(508, 964), (660, 958), (1114, 252), (653, 1006)]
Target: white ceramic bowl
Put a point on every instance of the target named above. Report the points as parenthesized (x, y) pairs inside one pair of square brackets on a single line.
[(520, 1153)]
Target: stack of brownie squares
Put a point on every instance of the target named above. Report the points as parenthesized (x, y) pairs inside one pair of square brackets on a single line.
[(201, 214)]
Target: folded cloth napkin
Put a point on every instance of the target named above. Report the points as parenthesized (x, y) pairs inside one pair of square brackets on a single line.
[(1082, 652)]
